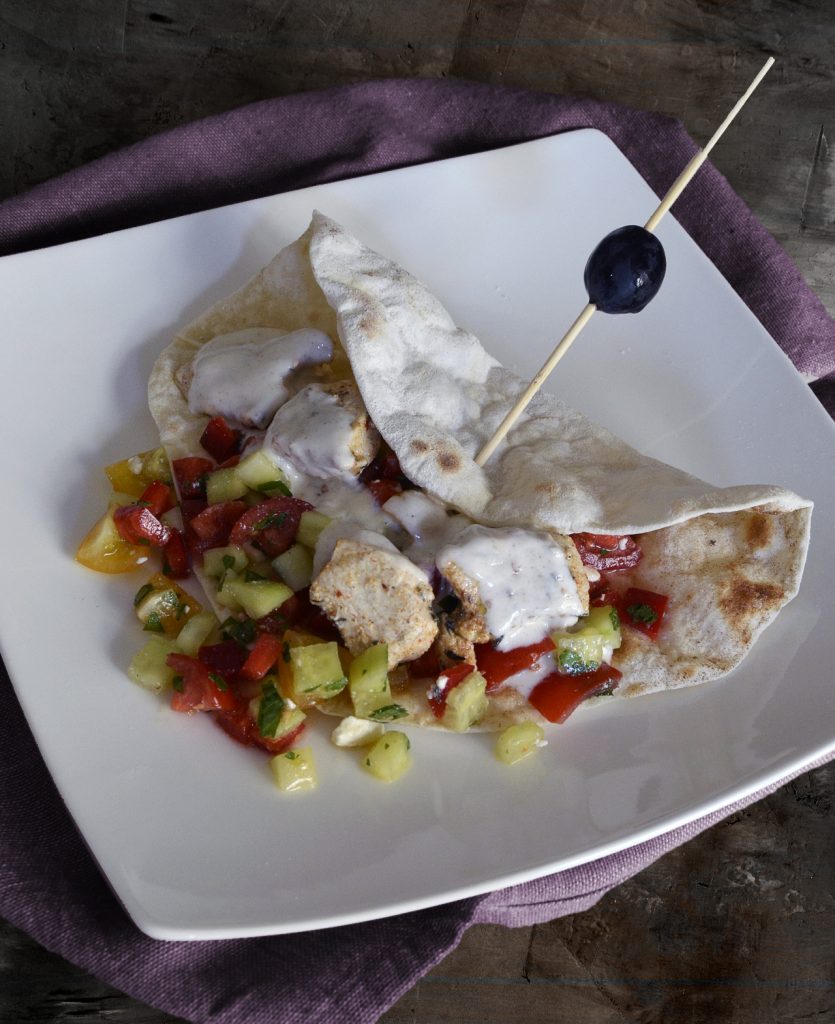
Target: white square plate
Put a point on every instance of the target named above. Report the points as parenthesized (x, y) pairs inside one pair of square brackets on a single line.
[(186, 825)]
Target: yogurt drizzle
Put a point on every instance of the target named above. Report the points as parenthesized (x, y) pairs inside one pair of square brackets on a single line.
[(523, 580)]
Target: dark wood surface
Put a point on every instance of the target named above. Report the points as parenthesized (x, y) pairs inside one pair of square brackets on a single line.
[(738, 926)]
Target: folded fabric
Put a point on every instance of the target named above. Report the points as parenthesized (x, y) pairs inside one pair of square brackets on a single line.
[(49, 884)]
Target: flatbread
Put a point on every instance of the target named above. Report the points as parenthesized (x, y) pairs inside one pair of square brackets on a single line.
[(729, 558)]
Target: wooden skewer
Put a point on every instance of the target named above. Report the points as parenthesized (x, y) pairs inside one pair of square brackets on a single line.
[(673, 193)]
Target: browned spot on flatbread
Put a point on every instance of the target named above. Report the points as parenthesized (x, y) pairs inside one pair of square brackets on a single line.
[(371, 323), (448, 461), (418, 446), (743, 602), (759, 530)]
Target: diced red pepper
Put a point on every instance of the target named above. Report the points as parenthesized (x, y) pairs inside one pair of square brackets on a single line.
[(446, 681), (558, 695), (241, 726), (219, 439), (137, 525), (190, 474), (497, 666), (158, 497), (226, 658), (212, 527), (271, 525), (384, 489), (175, 560), (262, 657), (643, 610), (197, 691), (607, 552)]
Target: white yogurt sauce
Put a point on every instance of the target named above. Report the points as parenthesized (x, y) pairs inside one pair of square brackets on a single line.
[(244, 375), (313, 432), (309, 440), (523, 581), (429, 524)]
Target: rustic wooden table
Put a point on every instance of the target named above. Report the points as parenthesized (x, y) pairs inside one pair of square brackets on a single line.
[(739, 924)]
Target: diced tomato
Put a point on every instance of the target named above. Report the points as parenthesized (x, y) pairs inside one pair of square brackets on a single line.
[(262, 657), (607, 552), (226, 658), (158, 497), (219, 439), (175, 560), (384, 489), (137, 524), (601, 593), (271, 525), (558, 695), (198, 691), (427, 666), (241, 726), (496, 666), (446, 681), (643, 610), (190, 474), (212, 527)]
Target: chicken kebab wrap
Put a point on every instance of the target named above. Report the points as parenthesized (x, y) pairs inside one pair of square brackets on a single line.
[(322, 424)]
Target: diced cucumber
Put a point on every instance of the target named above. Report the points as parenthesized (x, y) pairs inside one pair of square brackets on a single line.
[(605, 621), (195, 633), (294, 770), (148, 667), (369, 681), (466, 703), (257, 597), (582, 648), (217, 561), (224, 485), (295, 567), (390, 757), (258, 471), (311, 525), (316, 672), (578, 652), (518, 741)]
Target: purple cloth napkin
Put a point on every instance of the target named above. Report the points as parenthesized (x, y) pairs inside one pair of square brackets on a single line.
[(49, 885)]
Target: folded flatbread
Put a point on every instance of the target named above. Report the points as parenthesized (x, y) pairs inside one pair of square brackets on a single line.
[(729, 558)]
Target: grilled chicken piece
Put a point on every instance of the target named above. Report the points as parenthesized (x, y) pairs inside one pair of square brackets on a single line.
[(376, 596)]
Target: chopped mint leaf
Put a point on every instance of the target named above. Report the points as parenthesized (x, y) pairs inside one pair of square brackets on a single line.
[(275, 486), (153, 624), (291, 755), (641, 613), (241, 630), (388, 713), (177, 684), (271, 519), (228, 561), (269, 710), (251, 576), (219, 681), (614, 618), (573, 665)]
